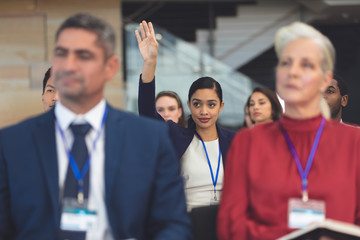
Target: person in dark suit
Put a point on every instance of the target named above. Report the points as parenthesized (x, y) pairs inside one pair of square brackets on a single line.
[(119, 180)]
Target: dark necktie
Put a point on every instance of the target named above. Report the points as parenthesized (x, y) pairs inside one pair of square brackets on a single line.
[(80, 153)]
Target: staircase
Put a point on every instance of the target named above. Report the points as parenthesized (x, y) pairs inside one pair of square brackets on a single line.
[(240, 39)]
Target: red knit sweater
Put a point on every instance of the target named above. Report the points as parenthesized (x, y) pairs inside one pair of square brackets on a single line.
[(261, 175)]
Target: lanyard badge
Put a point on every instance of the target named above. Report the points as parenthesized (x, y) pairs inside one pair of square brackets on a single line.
[(302, 212), (213, 200), (79, 174), (304, 173)]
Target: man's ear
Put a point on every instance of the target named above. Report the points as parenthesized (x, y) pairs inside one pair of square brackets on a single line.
[(112, 66), (344, 100)]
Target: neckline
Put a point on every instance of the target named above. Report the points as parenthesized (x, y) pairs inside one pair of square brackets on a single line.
[(215, 140), (308, 124)]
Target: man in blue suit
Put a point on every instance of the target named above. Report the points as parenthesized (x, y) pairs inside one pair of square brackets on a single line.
[(127, 185)]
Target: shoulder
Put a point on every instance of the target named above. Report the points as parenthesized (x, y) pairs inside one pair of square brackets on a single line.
[(177, 129), (134, 122), (342, 130), (226, 133), (261, 131), (28, 124), (350, 124)]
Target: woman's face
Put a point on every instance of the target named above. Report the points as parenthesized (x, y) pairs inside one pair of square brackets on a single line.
[(168, 108), (300, 80), (260, 108), (205, 107)]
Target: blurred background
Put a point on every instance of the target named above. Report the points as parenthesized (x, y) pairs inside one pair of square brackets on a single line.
[(229, 40)]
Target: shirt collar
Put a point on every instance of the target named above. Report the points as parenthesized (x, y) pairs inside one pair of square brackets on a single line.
[(94, 117)]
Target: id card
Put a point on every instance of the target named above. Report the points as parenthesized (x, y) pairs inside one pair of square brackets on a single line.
[(301, 214), (214, 201), (77, 217)]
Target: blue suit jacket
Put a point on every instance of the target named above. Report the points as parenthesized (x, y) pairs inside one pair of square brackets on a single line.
[(181, 137), (143, 193)]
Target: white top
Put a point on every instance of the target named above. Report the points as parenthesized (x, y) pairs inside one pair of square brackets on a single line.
[(199, 188), (97, 183)]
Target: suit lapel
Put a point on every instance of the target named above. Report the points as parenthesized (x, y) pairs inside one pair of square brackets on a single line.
[(114, 137), (45, 143)]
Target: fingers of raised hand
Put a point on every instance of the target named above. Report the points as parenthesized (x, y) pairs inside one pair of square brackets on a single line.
[(142, 31), (138, 36), (151, 28), (146, 28), (146, 32)]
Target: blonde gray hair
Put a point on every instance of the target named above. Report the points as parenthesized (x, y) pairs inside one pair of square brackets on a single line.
[(298, 30)]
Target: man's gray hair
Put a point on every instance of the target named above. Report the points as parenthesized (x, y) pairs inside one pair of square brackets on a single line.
[(298, 30), (103, 30)]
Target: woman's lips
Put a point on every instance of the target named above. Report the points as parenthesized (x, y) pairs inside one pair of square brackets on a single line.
[(291, 86), (204, 120)]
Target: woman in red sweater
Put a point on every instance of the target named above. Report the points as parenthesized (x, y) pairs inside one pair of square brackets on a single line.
[(301, 169)]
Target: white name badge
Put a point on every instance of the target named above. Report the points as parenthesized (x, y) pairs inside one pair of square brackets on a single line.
[(214, 201), (301, 214), (77, 217)]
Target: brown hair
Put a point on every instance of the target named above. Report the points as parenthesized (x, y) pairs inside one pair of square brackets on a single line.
[(174, 95), (276, 109)]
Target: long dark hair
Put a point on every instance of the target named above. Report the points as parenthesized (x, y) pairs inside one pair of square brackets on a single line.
[(276, 109), (182, 121)]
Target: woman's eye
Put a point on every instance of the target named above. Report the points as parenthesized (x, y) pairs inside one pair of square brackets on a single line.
[(284, 63), (196, 104), (211, 105), (307, 65)]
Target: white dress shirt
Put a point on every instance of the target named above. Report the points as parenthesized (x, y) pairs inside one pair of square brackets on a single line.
[(199, 188), (96, 199)]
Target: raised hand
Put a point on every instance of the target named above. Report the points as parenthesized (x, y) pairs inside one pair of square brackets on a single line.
[(148, 45)]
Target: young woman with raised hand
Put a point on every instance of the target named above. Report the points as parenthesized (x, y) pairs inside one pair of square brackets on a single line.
[(301, 169), (201, 147)]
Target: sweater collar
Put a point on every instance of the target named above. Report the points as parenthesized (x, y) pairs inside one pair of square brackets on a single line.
[(308, 124)]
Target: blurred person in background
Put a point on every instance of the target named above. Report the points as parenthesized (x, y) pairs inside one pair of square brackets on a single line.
[(247, 119), (49, 94), (168, 104), (337, 96), (264, 106)]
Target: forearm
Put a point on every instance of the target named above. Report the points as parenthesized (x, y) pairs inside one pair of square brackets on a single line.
[(148, 72), (146, 98)]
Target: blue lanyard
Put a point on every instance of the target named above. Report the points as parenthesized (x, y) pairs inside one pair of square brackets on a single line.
[(304, 174), (211, 171), (79, 175)]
